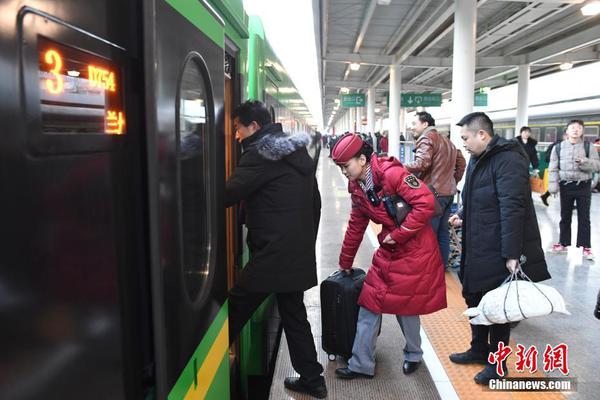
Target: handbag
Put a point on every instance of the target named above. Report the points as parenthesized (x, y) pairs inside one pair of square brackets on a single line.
[(397, 208)]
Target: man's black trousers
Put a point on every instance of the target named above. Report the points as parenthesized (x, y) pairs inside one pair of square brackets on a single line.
[(569, 194), (303, 354), (485, 338)]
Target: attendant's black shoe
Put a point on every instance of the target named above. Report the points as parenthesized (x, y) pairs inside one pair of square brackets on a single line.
[(544, 198), (347, 373), (410, 366), (296, 385), (468, 357), (488, 373)]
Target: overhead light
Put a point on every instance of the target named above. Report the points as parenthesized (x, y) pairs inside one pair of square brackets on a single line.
[(485, 89), (73, 73), (565, 66), (336, 107), (337, 101), (378, 110), (383, 2), (287, 90), (354, 66), (591, 8), (345, 90)]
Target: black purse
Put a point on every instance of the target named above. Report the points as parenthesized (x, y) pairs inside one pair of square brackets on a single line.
[(397, 208)]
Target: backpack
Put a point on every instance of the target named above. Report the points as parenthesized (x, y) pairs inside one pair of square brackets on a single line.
[(586, 145)]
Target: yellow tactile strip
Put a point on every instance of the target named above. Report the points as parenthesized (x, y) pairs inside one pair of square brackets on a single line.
[(449, 332)]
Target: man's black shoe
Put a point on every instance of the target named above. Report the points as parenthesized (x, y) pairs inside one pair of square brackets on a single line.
[(295, 384), (347, 373), (410, 366), (468, 357), (488, 373), (545, 198)]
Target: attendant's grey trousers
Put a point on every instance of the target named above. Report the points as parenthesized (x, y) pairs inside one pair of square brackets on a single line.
[(367, 330)]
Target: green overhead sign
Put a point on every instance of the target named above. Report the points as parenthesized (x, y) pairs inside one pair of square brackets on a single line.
[(480, 99), (409, 100), (353, 100)]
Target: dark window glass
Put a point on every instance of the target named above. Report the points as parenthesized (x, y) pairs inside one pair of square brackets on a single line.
[(194, 173)]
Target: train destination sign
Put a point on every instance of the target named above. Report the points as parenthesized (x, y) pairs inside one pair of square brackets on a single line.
[(79, 91)]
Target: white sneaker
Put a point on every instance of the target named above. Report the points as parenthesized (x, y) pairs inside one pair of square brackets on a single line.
[(587, 254)]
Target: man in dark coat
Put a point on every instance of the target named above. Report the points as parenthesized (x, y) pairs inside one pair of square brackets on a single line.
[(276, 179), (499, 226)]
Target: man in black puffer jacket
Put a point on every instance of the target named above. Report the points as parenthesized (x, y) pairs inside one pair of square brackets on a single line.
[(276, 179), (499, 226)]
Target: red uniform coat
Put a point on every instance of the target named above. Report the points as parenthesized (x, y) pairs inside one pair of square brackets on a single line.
[(406, 278)]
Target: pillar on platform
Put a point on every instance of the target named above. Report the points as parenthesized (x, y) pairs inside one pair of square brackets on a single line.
[(394, 132)]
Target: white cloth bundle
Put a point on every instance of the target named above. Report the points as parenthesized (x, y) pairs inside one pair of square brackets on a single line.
[(516, 300)]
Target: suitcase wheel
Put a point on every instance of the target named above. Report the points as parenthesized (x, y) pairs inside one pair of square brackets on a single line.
[(331, 357)]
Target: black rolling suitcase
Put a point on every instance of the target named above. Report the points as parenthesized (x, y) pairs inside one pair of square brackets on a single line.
[(339, 311)]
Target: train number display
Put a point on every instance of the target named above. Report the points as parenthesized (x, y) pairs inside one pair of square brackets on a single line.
[(79, 91)]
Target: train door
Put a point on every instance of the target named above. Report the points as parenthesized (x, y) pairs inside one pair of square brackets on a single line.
[(233, 227), (70, 282), (184, 104)]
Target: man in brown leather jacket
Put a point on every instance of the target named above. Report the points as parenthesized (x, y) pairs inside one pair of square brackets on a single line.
[(439, 163)]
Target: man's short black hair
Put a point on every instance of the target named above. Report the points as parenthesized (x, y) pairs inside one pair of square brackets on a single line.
[(252, 110), (575, 121), (476, 121), (424, 116), (525, 128)]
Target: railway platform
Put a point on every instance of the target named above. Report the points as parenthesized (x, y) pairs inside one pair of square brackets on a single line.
[(447, 331)]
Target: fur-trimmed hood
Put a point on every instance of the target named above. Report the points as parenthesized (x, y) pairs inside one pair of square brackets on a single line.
[(273, 144)]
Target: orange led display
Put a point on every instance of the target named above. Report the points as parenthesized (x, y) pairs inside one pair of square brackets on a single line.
[(80, 92), (54, 60), (115, 122), (101, 78)]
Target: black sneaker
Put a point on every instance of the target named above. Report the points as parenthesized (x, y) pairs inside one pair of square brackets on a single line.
[(296, 385), (468, 357), (544, 198), (488, 373)]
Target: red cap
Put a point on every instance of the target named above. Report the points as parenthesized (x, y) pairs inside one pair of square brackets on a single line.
[(346, 148)]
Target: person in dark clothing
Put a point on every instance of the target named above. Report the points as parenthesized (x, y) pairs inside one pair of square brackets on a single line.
[(529, 143), (499, 226), (275, 178)]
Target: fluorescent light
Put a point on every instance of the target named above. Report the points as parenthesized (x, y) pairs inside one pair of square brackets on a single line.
[(73, 73), (378, 110), (591, 9), (354, 66), (287, 90), (565, 66), (345, 90), (337, 101)]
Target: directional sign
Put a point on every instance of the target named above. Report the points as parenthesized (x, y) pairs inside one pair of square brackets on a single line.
[(411, 100), (353, 100), (481, 99)]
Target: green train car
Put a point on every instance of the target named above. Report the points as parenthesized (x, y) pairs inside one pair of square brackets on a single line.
[(118, 253)]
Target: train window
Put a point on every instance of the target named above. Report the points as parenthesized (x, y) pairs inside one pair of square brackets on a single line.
[(193, 158), (590, 133), (79, 92), (550, 134)]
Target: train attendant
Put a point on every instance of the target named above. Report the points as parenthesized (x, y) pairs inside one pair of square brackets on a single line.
[(406, 277), (275, 178)]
